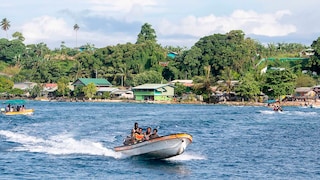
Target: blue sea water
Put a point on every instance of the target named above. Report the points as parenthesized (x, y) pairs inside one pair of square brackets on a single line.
[(65, 140)]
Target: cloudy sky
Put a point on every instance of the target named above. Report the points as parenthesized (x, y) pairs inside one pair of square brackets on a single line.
[(176, 22)]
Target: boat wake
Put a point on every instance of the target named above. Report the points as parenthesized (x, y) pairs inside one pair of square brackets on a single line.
[(298, 113), (58, 145), (66, 145), (186, 156), (269, 112)]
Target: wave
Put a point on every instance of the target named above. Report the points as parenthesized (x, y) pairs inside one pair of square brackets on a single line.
[(58, 145)]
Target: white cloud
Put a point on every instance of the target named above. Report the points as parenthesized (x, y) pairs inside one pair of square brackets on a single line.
[(129, 10), (53, 31), (46, 28), (109, 22), (250, 22), (120, 5)]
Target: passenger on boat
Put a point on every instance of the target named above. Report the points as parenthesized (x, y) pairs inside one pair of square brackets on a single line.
[(18, 108), (139, 135), (8, 108), (147, 134), (23, 108), (277, 108), (136, 127), (129, 139), (154, 134)]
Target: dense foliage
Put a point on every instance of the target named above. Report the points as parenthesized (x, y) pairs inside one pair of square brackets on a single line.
[(225, 57)]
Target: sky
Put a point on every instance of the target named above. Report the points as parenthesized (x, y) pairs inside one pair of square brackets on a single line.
[(176, 22)]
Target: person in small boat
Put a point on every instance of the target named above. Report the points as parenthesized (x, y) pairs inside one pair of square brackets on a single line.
[(136, 127), (22, 108), (129, 139), (154, 134), (138, 136), (147, 134), (8, 108), (277, 108), (18, 108)]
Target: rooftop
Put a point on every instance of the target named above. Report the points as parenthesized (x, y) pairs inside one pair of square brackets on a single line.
[(151, 86)]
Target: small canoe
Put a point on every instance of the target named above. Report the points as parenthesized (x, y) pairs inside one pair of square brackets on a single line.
[(158, 148)]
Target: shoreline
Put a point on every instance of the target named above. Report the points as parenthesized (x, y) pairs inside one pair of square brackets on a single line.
[(287, 103), (230, 103)]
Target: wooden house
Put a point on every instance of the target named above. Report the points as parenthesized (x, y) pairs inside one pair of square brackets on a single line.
[(153, 92)]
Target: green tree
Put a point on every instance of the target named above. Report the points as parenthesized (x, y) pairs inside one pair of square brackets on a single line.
[(179, 89), (279, 83), (5, 25), (11, 50), (170, 73), (147, 33), (227, 75), (202, 84), (76, 28), (314, 61), (191, 63), (89, 64), (248, 87), (5, 84), (305, 80), (147, 77), (231, 50), (19, 36), (90, 90), (124, 73), (75, 71), (35, 91), (63, 88), (16, 92), (78, 91)]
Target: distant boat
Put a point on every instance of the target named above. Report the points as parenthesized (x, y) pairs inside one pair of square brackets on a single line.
[(314, 106), (15, 107), (158, 148)]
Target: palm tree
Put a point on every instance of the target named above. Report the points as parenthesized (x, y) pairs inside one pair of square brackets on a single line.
[(5, 25), (76, 28), (202, 84), (226, 76), (124, 73)]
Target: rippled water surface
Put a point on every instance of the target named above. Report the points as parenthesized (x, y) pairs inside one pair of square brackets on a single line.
[(75, 141)]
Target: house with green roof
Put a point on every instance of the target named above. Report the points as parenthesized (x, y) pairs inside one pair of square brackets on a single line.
[(102, 84), (153, 92)]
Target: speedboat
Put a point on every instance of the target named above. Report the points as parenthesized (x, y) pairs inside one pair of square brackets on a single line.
[(314, 106), (158, 148)]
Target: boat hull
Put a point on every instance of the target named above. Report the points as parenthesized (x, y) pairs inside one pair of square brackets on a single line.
[(25, 112), (158, 148)]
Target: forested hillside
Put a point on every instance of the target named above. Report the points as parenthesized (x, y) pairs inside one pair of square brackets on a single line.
[(226, 57)]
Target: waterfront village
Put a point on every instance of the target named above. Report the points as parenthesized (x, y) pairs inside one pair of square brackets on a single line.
[(104, 91)]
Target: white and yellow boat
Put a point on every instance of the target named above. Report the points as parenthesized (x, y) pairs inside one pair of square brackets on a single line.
[(8, 111), (23, 112), (158, 148)]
